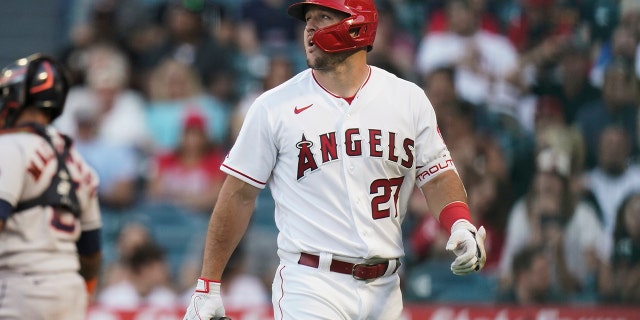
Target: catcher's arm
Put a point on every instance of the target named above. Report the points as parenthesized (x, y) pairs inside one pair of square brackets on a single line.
[(6, 209), (90, 257)]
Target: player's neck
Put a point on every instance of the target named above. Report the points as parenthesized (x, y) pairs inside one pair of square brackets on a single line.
[(32, 116), (345, 79)]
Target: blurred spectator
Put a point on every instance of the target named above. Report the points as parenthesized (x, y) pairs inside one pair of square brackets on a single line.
[(254, 52), (188, 176), (602, 17), (550, 215), (613, 177), (142, 36), (251, 60), (548, 113), (474, 152), (630, 18), (567, 140), (439, 86), (189, 41), (551, 131), (623, 45), (175, 91), (626, 254), (267, 19), (132, 236), (106, 93), (145, 284), (537, 22), (618, 105), (568, 80), (630, 15), (225, 85), (481, 59), (116, 165), (99, 27), (549, 43), (394, 48), (438, 21), (532, 279)]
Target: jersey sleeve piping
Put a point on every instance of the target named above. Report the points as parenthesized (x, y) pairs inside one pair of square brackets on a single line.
[(242, 176)]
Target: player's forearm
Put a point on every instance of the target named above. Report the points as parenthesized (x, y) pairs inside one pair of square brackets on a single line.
[(442, 190), (227, 225), (6, 209), (90, 265)]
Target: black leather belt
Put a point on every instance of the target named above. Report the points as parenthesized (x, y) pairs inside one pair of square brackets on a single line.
[(359, 271)]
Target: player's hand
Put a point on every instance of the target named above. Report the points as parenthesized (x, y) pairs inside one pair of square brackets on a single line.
[(206, 303), (468, 245)]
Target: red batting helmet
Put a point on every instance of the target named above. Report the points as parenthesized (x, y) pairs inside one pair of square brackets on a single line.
[(356, 31), (36, 81)]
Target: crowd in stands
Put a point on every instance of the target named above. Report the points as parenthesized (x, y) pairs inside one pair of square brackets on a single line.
[(537, 100)]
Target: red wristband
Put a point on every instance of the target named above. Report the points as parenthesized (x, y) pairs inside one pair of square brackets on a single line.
[(453, 212), (203, 285)]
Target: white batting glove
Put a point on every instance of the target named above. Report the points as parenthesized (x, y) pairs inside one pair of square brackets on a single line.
[(468, 245), (206, 303)]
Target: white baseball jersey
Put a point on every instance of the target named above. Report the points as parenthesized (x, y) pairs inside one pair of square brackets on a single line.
[(41, 239), (341, 175)]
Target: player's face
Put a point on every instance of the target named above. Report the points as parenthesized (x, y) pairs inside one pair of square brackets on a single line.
[(318, 18)]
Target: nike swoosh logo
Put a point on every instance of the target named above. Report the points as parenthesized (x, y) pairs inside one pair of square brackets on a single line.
[(298, 110)]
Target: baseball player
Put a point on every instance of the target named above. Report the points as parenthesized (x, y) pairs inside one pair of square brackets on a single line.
[(49, 216), (342, 145)]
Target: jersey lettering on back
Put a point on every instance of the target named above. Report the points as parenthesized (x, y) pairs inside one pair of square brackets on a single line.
[(35, 167), (61, 191)]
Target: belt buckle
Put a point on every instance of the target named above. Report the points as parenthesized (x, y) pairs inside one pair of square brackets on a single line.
[(353, 270)]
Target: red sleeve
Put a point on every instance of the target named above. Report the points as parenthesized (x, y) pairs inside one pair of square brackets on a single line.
[(424, 236), (161, 162), (490, 23), (493, 245), (517, 33), (437, 21), (212, 165)]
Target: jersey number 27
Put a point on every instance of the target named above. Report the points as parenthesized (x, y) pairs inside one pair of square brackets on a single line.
[(385, 189)]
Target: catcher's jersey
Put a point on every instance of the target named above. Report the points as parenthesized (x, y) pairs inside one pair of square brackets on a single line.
[(341, 175), (41, 239)]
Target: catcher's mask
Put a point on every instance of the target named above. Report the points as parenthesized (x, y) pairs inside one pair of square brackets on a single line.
[(356, 31), (35, 81)]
